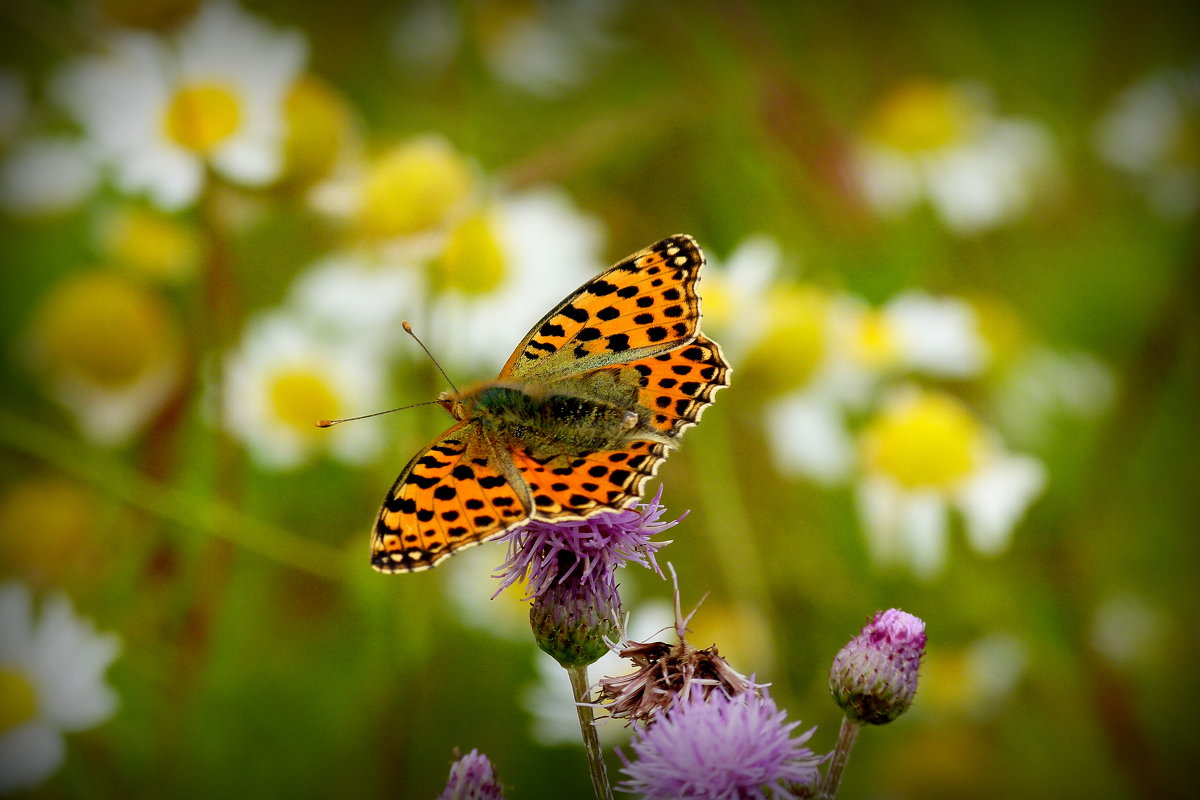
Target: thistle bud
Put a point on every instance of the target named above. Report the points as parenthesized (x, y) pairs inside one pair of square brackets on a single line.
[(874, 677)]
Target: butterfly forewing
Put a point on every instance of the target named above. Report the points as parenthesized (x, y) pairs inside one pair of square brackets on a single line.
[(452, 495), (643, 305)]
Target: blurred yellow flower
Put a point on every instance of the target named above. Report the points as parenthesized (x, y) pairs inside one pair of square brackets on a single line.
[(794, 342), (109, 350), (472, 261), (48, 526), (320, 126), (151, 244), (416, 188), (921, 116), (930, 441)]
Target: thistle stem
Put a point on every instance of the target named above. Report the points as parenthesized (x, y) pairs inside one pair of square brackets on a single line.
[(591, 742), (841, 754)]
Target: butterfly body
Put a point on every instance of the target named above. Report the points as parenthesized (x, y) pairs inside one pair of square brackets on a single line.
[(579, 419)]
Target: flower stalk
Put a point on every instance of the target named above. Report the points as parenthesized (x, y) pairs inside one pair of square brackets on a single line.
[(847, 736), (591, 741)]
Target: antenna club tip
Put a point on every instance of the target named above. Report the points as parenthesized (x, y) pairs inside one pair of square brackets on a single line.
[(407, 326), (324, 423)]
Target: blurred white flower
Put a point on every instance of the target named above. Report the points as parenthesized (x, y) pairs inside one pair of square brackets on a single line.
[(943, 142), (550, 701), (544, 249), (976, 680), (469, 588), (1150, 134), (160, 110), (1127, 629), (925, 453), (733, 290), (284, 378), (46, 176), (51, 682), (352, 301), (1045, 385), (544, 48)]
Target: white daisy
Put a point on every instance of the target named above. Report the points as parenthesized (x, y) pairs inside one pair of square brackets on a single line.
[(925, 453), (1150, 134), (944, 143), (284, 378), (352, 301), (51, 682), (544, 48), (1045, 386), (159, 110)]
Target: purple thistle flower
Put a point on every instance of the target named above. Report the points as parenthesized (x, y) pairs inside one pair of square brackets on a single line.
[(570, 572), (472, 777), (721, 747), (601, 543), (874, 677)]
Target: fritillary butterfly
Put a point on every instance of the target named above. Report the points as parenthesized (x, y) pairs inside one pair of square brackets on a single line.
[(578, 420)]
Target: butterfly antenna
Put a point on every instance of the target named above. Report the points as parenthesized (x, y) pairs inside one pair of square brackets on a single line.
[(329, 423), (408, 329)]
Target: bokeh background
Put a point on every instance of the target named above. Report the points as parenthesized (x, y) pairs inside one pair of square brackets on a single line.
[(953, 261)]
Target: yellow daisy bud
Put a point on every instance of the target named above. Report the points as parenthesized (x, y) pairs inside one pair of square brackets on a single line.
[(927, 441), (472, 261), (319, 126), (923, 116), (151, 244)]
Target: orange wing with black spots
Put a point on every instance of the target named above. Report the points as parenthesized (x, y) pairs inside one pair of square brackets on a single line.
[(678, 385), (572, 489), (643, 305), (452, 495)]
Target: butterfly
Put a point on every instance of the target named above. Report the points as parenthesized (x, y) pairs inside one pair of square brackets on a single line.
[(581, 416)]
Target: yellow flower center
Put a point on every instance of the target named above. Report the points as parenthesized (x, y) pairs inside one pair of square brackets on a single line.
[(472, 261), (50, 526), (923, 117), (319, 124), (795, 341), (929, 442), (103, 331), (153, 245), (299, 397), (18, 699), (201, 116), (413, 189), (873, 343)]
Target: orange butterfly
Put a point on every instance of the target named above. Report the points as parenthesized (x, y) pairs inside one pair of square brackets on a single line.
[(577, 421)]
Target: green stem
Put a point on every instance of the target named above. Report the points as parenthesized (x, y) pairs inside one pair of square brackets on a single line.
[(591, 741), (847, 736), (206, 515)]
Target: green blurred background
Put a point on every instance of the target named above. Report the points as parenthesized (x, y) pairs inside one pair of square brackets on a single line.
[(1029, 172)]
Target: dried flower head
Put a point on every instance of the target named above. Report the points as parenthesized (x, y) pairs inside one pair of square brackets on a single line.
[(667, 673), (874, 677)]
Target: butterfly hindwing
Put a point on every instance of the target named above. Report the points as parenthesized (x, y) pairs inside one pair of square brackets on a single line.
[(643, 305), (608, 480), (451, 495), (678, 385)]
